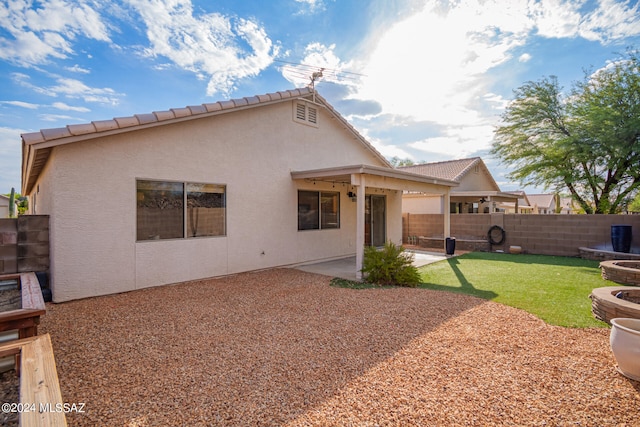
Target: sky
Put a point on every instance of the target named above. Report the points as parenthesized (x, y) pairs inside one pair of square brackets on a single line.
[(420, 80)]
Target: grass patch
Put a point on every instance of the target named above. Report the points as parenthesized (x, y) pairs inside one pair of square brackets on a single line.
[(556, 289)]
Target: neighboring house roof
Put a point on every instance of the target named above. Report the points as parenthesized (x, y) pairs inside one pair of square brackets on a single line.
[(452, 170), (542, 200), (523, 200), (38, 145)]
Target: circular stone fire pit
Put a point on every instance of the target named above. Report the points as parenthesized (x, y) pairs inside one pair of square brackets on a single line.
[(626, 272), (606, 306)]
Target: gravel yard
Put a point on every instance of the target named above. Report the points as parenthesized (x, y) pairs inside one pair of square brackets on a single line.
[(282, 347)]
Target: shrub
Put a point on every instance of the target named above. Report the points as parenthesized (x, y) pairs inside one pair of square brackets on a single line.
[(390, 266)]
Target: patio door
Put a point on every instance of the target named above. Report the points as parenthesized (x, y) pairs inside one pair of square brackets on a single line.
[(375, 220)]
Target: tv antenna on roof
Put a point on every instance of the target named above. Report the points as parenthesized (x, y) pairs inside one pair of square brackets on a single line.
[(315, 77), (295, 71)]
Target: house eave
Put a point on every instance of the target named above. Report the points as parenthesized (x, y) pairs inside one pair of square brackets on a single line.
[(346, 174), (37, 146)]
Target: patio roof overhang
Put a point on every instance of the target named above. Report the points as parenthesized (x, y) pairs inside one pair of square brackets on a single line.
[(489, 196), (378, 177), (367, 176)]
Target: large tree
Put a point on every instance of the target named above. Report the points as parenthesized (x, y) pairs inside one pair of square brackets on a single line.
[(586, 141)]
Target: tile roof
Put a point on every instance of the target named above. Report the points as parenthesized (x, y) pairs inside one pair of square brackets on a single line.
[(36, 146), (156, 117), (452, 170)]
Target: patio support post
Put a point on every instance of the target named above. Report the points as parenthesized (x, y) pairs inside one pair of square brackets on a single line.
[(360, 197), (447, 217)]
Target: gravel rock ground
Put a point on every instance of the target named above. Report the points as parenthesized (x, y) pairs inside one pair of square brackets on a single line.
[(282, 347)]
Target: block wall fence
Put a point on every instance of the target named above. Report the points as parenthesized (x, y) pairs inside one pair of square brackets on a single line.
[(24, 244), (535, 234)]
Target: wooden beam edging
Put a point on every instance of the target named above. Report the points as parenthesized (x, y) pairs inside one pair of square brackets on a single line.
[(27, 318), (40, 397), (31, 292)]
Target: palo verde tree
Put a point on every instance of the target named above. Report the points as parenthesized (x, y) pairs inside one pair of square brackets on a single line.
[(586, 142)]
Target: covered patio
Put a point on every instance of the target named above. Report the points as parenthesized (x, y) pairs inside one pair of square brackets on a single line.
[(344, 268), (366, 179)]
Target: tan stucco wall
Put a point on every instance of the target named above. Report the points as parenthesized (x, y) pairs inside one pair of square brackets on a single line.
[(422, 204), (89, 189), (476, 180)]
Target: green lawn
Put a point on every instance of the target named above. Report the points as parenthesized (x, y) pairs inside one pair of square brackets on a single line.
[(556, 289)]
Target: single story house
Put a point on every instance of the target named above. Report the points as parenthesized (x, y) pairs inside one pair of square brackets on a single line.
[(522, 205), (477, 191), (211, 190), (544, 203)]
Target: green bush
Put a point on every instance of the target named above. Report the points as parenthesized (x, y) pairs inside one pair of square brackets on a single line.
[(390, 266)]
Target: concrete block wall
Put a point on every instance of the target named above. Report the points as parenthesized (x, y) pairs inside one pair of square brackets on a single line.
[(536, 234), (24, 244), (8, 246)]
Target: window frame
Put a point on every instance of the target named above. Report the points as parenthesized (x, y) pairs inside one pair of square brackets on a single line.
[(318, 223), (185, 208)]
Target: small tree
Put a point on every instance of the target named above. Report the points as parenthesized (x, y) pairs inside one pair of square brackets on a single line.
[(390, 266)]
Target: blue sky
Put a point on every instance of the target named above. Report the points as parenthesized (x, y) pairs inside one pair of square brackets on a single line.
[(425, 80)]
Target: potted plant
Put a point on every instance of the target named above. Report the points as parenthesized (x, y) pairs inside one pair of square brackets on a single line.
[(625, 345)]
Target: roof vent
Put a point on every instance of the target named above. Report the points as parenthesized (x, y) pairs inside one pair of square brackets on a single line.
[(305, 113)]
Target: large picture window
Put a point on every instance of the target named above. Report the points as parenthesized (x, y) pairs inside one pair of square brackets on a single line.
[(318, 210), (173, 210)]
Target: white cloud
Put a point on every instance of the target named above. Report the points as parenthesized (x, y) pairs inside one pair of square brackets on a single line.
[(38, 34), (215, 47), (556, 18), (78, 69), (462, 141), (431, 66), (64, 107), (390, 151), (21, 104), (311, 6), (525, 57), (10, 159), (71, 88), (611, 21), (55, 117)]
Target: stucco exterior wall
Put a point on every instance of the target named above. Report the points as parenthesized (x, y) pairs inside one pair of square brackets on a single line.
[(422, 204), (252, 152), (477, 179)]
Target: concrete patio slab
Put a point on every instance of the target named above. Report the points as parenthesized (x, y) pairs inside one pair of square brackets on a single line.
[(345, 268)]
